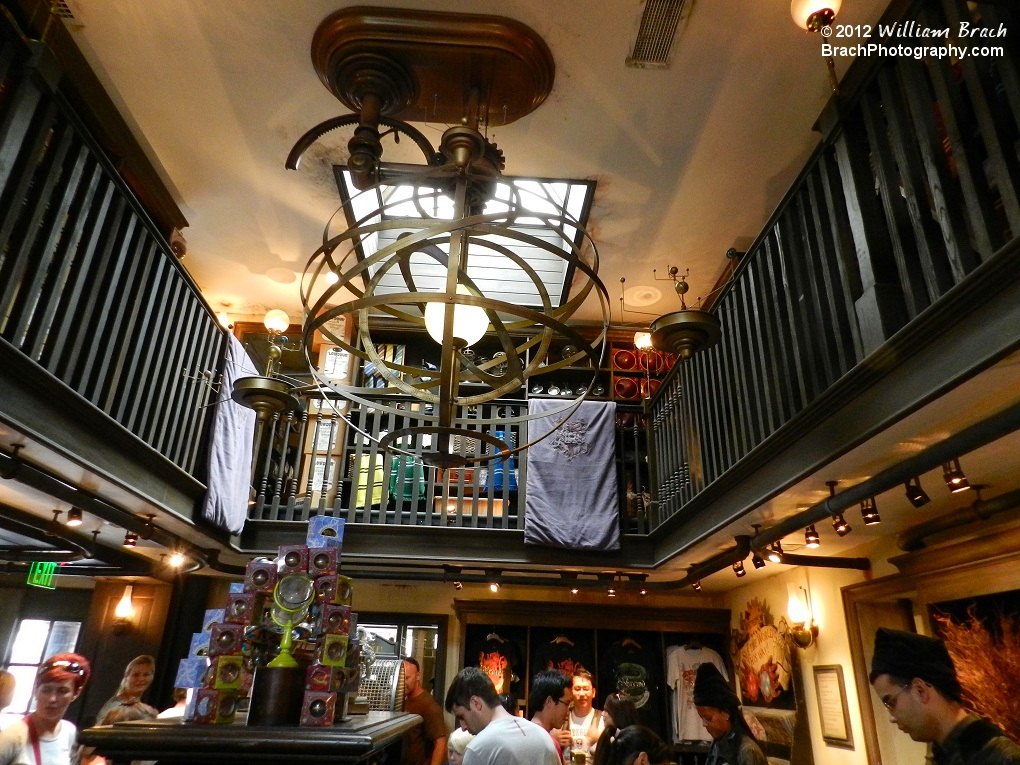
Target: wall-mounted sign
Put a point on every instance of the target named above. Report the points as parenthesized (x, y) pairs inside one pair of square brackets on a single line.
[(41, 575)]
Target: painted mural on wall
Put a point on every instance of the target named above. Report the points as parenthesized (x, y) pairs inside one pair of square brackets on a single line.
[(762, 655)]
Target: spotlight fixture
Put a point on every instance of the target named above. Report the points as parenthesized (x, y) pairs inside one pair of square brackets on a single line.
[(130, 539), (643, 591), (840, 525), (776, 552), (494, 586), (757, 560), (148, 528), (458, 586), (176, 559), (811, 538), (869, 511), (611, 592), (916, 495), (574, 590), (697, 586), (738, 569), (74, 517), (955, 479)]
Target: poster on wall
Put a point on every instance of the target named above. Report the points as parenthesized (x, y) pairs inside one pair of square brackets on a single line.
[(763, 659)]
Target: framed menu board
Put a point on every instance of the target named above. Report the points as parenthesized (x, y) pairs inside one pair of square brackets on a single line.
[(833, 712)]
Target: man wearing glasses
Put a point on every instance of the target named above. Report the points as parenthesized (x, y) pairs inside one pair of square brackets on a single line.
[(916, 680), (549, 701), (44, 737)]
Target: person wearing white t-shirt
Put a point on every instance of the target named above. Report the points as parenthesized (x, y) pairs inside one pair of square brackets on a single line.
[(500, 738), (44, 737), (585, 722)]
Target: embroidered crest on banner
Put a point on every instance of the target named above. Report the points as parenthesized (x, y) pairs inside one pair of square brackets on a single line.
[(570, 439)]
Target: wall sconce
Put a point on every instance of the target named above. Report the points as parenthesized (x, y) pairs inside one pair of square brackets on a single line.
[(124, 612), (803, 629)]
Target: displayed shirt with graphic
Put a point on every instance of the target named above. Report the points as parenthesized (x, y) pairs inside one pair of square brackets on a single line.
[(567, 657), (501, 661), (682, 665), (632, 669)]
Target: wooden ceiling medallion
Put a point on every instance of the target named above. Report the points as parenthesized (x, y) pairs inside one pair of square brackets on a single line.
[(433, 66)]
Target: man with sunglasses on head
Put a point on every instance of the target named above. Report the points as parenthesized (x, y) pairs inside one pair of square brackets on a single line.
[(916, 681), (44, 737)]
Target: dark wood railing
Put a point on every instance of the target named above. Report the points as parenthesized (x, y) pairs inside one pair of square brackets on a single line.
[(89, 289), (915, 184), (315, 463)]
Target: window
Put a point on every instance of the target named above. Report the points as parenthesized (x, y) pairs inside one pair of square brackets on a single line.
[(35, 640), (397, 635)]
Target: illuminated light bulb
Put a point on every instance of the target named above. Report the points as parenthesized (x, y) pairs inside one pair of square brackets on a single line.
[(642, 339), (812, 15), (469, 321), (125, 608), (276, 320), (176, 560)]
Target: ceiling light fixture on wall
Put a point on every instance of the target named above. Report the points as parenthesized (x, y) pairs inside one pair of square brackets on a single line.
[(869, 512), (814, 16), (803, 629), (811, 538), (124, 612), (915, 493), (449, 224), (684, 332), (955, 478)]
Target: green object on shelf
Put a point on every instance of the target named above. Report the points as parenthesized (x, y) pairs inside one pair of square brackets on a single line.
[(405, 472)]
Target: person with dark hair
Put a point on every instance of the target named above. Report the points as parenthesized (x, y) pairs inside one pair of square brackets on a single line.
[(915, 678), (620, 712), (137, 678), (585, 721), (509, 702), (719, 709), (499, 737), (549, 701), (44, 737), (424, 744), (637, 745)]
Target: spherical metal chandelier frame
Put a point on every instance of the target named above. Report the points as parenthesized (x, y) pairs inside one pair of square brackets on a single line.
[(468, 234)]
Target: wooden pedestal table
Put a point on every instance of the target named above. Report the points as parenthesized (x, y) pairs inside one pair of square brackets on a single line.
[(360, 739)]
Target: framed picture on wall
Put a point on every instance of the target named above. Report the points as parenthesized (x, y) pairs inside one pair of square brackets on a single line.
[(833, 712)]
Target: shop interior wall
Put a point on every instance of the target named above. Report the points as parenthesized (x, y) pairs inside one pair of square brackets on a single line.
[(831, 647)]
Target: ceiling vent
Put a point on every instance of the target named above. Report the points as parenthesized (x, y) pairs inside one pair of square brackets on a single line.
[(67, 10), (659, 23)]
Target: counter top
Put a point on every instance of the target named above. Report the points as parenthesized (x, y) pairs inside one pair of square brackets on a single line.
[(171, 741)]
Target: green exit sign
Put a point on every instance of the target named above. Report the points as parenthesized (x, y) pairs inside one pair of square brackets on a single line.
[(41, 575)]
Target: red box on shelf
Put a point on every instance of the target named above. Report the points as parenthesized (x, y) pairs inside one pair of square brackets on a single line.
[(293, 559), (318, 709), (322, 561), (226, 640), (260, 576)]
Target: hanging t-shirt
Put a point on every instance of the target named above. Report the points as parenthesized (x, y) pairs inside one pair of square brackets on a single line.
[(501, 661), (633, 670), (566, 656), (682, 664)]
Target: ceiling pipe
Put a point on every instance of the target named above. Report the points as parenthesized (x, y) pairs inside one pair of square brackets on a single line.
[(42, 531), (12, 466), (967, 440), (825, 561), (979, 510)]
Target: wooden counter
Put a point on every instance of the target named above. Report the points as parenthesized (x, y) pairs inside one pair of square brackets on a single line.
[(357, 740)]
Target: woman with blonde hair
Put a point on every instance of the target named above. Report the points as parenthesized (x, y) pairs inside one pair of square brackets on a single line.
[(456, 743), (137, 678)]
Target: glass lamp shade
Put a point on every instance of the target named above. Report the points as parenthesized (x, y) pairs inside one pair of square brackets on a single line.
[(276, 320), (812, 15), (469, 321), (642, 339)]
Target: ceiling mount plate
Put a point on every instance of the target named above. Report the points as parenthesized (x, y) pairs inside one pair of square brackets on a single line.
[(431, 66)]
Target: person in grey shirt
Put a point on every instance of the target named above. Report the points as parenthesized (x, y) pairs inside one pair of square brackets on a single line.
[(500, 738)]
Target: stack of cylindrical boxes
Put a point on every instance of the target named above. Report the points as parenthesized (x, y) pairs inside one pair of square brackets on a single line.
[(334, 673)]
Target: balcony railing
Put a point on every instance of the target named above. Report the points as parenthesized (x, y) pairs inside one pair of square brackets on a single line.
[(915, 184), (89, 289), (315, 463)]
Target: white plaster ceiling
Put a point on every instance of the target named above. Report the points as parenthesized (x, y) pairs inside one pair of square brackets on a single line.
[(690, 160)]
